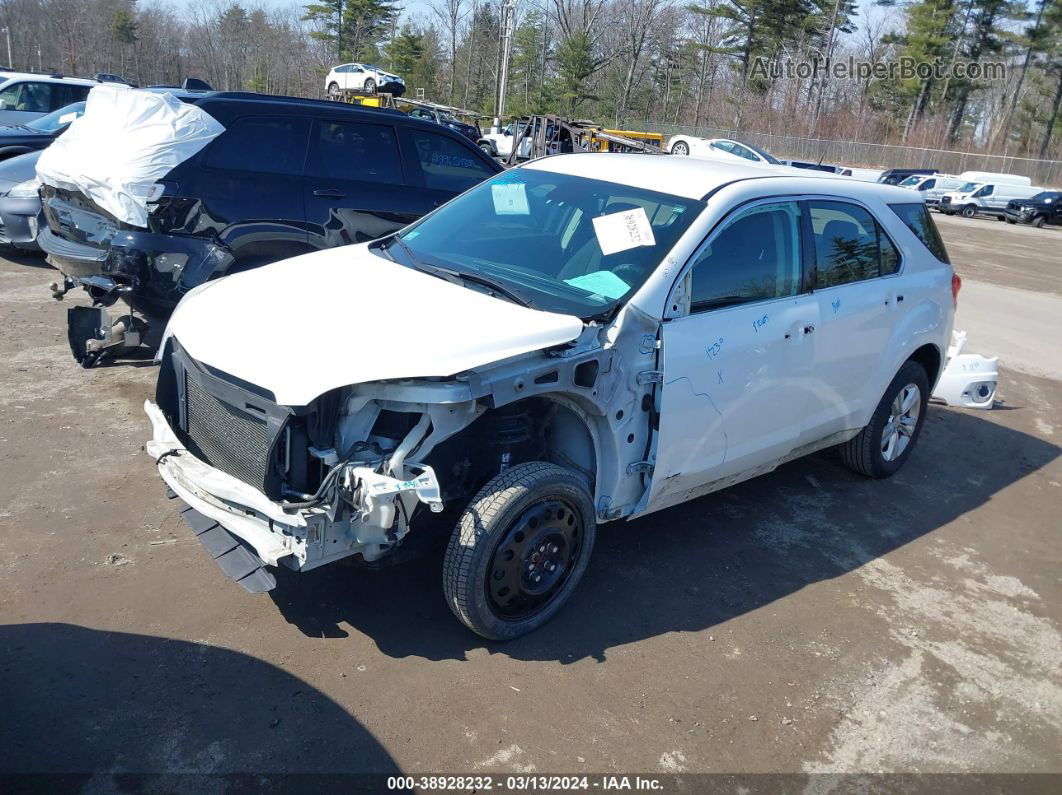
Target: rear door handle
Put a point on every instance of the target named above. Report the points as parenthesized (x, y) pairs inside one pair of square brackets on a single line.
[(329, 193), (809, 329)]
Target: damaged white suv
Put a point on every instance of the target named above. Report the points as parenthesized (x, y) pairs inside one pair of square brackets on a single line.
[(585, 338)]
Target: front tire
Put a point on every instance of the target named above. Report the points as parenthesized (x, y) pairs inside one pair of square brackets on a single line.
[(884, 445), (519, 550), (1038, 222), (334, 93), (969, 211), (680, 148)]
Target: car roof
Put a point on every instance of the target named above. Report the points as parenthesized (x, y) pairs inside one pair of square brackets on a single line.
[(696, 178), (275, 101), (43, 78)]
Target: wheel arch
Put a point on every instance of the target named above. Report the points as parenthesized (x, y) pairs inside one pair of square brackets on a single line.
[(931, 359)]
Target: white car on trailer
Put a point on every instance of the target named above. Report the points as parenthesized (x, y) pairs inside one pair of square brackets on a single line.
[(582, 339)]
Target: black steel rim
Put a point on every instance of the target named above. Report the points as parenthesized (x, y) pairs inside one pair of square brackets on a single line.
[(534, 559)]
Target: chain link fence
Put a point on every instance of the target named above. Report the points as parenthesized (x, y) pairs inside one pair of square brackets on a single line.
[(1046, 173)]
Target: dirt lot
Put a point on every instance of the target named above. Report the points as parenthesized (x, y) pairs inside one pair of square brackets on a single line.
[(808, 621)]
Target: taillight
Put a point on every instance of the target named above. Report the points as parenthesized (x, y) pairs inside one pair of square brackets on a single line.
[(956, 285)]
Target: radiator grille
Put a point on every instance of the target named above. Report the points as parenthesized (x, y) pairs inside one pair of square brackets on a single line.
[(230, 440)]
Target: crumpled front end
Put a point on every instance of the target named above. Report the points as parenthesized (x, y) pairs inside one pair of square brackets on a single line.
[(269, 476)]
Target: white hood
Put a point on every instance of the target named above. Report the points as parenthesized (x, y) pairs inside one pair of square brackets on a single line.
[(346, 316)]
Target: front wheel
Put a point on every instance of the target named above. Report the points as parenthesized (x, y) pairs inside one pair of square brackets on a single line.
[(1038, 222), (680, 148), (882, 447), (969, 211), (519, 549), (488, 150), (333, 91)]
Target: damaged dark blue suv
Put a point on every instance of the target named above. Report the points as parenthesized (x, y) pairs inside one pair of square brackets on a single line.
[(250, 180)]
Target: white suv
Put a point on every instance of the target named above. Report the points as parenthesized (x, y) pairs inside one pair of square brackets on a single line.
[(582, 339), (25, 96), (362, 77)]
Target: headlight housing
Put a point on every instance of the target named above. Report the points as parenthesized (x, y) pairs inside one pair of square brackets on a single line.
[(25, 190)]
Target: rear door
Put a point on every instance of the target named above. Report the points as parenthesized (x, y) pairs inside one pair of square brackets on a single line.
[(444, 164), (249, 182), (356, 187), (738, 369), (858, 296), (25, 100)]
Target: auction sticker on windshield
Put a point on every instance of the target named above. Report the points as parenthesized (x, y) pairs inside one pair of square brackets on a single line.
[(623, 230), (510, 198)]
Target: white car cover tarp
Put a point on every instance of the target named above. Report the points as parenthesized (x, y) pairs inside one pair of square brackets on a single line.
[(125, 142)]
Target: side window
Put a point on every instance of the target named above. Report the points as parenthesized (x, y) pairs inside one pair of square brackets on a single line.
[(271, 144), (355, 151), (929, 183), (985, 191), (755, 256), (743, 152), (447, 165), (850, 246), (68, 94), (916, 218), (30, 97)]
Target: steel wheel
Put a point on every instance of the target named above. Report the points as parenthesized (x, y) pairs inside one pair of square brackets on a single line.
[(902, 421), (534, 559)]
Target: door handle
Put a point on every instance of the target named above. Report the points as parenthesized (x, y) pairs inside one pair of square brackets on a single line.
[(809, 329), (329, 193)]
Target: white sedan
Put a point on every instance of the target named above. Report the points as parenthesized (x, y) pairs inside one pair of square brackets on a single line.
[(362, 77), (718, 147)]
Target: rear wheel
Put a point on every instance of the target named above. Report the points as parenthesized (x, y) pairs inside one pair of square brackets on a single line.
[(969, 211), (488, 149), (680, 148), (882, 447), (370, 86), (333, 91), (519, 549)]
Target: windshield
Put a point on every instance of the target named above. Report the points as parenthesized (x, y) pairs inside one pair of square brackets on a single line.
[(911, 182), (967, 187), (565, 243), (57, 118)]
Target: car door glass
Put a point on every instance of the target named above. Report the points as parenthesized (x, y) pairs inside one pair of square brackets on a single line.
[(741, 151), (275, 145), (35, 98), (447, 165), (929, 183), (754, 257), (847, 247), (355, 151)]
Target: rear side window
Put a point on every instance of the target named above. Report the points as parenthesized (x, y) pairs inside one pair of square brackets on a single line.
[(270, 144), (755, 257), (67, 94), (448, 165), (850, 245), (917, 218), (355, 151)]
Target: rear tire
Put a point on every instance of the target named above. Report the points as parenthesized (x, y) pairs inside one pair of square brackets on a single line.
[(370, 86), (334, 92), (680, 148), (884, 445), (969, 211), (519, 549)]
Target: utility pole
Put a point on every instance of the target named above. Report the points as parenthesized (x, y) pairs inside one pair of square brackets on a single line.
[(7, 32), (507, 25)]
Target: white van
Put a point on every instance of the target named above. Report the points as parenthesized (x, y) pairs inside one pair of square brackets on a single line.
[(989, 198), (994, 178), (934, 186)]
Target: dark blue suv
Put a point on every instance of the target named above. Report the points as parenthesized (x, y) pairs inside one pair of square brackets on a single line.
[(287, 176)]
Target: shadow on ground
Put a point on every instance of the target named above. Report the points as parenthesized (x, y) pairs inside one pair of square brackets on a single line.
[(697, 565), (86, 702)]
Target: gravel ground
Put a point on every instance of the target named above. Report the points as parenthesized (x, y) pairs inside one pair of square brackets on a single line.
[(805, 622)]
